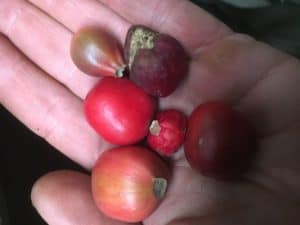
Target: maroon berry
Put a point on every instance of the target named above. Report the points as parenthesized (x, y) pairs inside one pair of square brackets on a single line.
[(157, 62), (167, 132), (219, 142)]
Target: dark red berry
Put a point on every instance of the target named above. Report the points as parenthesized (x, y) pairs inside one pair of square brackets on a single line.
[(219, 141), (157, 62)]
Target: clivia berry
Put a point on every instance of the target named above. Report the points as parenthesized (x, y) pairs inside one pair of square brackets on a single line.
[(119, 110), (220, 142), (157, 62), (167, 132), (128, 183), (96, 53)]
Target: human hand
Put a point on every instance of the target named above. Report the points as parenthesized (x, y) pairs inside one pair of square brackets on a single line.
[(40, 85)]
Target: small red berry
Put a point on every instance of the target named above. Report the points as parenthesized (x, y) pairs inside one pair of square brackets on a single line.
[(167, 132)]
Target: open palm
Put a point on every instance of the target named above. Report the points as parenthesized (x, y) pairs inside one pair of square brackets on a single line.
[(40, 85)]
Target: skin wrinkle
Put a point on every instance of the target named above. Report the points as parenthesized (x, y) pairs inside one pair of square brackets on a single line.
[(290, 125), (272, 173), (51, 3), (12, 22), (7, 72), (164, 13), (65, 63), (20, 67), (267, 74), (274, 186), (11, 18), (49, 132), (263, 75), (64, 70), (11, 79), (285, 188), (218, 34), (222, 57), (218, 37), (75, 3)]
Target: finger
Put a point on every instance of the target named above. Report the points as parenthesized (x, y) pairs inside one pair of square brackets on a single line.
[(64, 197), (44, 41), (75, 14), (277, 164), (187, 22), (46, 107)]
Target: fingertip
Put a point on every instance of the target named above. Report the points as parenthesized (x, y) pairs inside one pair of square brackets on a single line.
[(64, 197), (46, 184), (58, 195)]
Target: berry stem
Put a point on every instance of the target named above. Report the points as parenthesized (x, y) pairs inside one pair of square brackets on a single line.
[(159, 187), (121, 71), (155, 128)]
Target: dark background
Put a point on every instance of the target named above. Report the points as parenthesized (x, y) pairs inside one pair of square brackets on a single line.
[(24, 157)]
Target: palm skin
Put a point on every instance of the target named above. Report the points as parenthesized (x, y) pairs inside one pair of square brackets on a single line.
[(43, 89)]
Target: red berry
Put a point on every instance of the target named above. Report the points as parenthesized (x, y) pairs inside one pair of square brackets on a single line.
[(219, 141), (157, 62), (96, 53), (128, 183), (119, 110), (167, 132)]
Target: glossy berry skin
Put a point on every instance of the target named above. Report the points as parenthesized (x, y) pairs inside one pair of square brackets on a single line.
[(96, 53), (157, 62), (219, 143), (119, 110), (128, 183), (167, 132)]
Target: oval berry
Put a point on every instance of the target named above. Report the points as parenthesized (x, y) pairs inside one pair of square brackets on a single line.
[(96, 53), (119, 110)]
